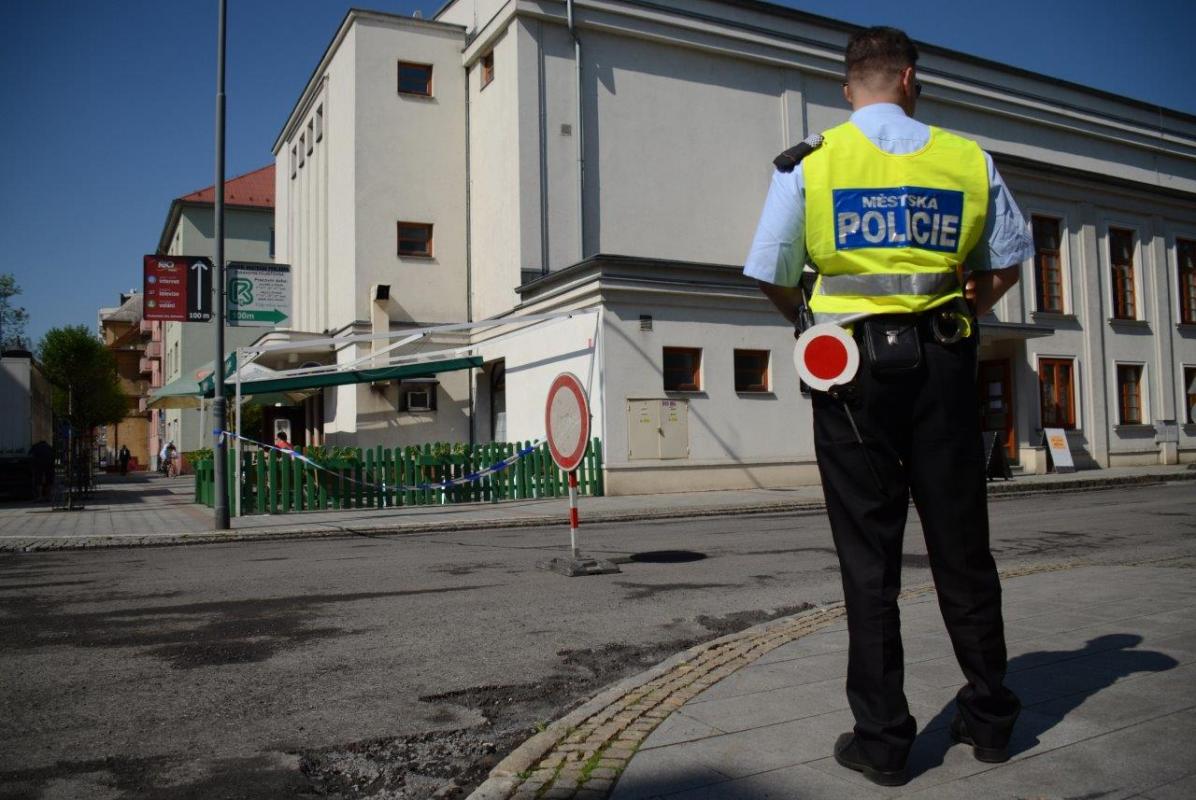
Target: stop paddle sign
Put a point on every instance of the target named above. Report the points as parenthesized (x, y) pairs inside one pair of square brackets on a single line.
[(826, 356)]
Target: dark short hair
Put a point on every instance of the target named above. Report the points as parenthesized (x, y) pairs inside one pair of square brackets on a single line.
[(878, 49)]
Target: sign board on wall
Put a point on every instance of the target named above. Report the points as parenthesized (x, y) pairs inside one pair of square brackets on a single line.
[(177, 288), (258, 294)]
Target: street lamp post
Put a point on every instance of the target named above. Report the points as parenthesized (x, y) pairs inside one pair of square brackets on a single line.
[(220, 506)]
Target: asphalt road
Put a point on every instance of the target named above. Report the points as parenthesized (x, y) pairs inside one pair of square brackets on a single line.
[(384, 666)]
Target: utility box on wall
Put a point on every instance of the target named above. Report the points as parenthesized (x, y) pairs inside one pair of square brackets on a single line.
[(657, 429)]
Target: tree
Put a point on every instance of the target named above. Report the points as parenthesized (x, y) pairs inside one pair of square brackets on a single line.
[(87, 390), (12, 318)]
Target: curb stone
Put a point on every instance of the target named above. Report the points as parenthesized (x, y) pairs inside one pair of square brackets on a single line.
[(1006, 489), (582, 754)]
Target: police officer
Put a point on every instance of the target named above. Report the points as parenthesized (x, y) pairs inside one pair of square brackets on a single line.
[(904, 224)]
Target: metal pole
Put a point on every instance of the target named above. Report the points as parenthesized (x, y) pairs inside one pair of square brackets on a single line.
[(220, 506), (573, 514), (237, 440)]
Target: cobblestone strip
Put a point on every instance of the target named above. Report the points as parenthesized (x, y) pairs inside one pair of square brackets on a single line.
[(581, 756)]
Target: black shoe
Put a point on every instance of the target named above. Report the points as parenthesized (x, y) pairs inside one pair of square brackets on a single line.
[(848, 756), (989, 755)]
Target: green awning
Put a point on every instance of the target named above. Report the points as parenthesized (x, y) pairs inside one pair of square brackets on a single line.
[(179, 393), (301, 382)]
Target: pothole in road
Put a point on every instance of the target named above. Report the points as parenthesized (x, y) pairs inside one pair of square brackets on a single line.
[(452, 763)]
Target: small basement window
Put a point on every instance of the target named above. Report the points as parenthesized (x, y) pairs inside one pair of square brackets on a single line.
[(415, 239), (682, 369), (415, 78), (751, 370)]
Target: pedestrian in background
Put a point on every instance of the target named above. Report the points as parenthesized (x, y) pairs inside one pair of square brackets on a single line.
[(902, 222), (123, 458)]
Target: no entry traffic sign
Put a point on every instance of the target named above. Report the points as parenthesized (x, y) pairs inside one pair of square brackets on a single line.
[(567, 421), (826, 356)]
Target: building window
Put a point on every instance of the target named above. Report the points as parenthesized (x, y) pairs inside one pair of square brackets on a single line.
[(415, 239), (1048, 269), (1121, 256), (1055, 383), (682, 369), (415, 78), (1189, 390), (294, 160), (751, 370), (319, 122), (1129, 394), (487, 69), (1185, 255), (270, 252), (302, 149), (311, 135)]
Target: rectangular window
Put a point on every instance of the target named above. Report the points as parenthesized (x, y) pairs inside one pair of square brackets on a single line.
[(487, 69), (1190, 395), (1058, 407), (1185, 255), (294, 160), (311, 135), (751, 370), (1048, 269), (302, 149), (682, 369), (1129, 394), (415, 239), (1121, 256), (319, 122), (271, 250), (415, 78)]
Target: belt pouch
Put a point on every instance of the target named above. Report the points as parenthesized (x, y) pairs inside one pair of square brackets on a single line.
[(893, 346)]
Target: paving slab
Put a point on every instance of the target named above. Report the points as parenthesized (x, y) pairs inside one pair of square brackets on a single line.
[(1107, 675)]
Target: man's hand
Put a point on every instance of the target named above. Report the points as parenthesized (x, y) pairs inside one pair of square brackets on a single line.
[(785, 298), (984, 289)]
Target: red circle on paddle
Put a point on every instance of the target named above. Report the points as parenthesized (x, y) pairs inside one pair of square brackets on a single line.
[(567, 421), (826, 357)]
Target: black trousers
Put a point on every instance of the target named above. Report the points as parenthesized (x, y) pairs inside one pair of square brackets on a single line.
[(921, 433)]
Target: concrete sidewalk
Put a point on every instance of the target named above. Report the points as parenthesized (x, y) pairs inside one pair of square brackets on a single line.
[(1103, 658), (144, 510)]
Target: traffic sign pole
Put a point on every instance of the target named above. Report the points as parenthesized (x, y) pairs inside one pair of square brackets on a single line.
[(573, 514), (567, 425), (220, 505)]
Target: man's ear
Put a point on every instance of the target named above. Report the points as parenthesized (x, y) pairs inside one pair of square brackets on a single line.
[(847, 92)]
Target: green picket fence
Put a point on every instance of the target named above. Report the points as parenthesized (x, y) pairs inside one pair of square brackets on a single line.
[(275, 483)]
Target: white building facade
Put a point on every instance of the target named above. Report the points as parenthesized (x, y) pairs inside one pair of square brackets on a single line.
[(495, 162)]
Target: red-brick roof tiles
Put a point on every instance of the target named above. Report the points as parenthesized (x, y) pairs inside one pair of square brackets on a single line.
[(251, 189)]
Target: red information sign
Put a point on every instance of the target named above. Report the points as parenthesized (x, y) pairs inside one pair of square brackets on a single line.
[(567, 421), (177, 288)]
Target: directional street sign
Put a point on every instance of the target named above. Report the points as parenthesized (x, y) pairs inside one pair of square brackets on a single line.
[(258, 294), (177, 288)]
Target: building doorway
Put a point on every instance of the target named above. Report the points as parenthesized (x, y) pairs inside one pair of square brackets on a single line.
[(498, 402), (996, 403)]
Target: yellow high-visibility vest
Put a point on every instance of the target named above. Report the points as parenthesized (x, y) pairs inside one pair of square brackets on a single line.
[(889, 233)]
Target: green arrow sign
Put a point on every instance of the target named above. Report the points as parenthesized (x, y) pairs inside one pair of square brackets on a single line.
[(273, 316)]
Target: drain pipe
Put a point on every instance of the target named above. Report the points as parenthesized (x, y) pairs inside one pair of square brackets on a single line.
[(581, 141)]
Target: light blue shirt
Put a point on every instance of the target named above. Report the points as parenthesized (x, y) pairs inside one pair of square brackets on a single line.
[(778, 251)]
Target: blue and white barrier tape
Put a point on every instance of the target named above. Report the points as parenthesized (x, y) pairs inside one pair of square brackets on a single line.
[(496, 467)]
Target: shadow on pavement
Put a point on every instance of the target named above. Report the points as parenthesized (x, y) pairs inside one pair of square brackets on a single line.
[(1052, 684)]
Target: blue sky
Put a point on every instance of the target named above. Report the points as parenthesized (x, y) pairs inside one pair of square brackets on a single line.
[(109, 105)]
